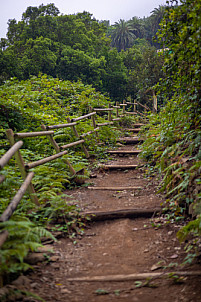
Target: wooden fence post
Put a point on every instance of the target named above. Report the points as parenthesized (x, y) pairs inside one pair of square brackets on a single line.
[(93, 121), (77, 135), (57, 149), (124, 106), (21, 165), (109, 114), (134, 106), (155, 105), (117, 107)]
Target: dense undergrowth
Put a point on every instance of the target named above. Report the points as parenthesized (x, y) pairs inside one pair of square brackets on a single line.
[(173, 144), (25, 105)]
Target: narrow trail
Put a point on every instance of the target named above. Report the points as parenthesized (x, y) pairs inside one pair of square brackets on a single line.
[(117, 247)]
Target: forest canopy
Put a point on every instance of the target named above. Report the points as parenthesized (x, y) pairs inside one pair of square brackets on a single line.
[(79, 47)]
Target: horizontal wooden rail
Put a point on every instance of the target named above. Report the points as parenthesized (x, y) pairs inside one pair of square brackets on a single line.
[(7, 156), (103, 109), (144, 106), (90, 132), (131, 113), (73, 144), (118, 107), (3, 237), (82, 117), (33, 134), (116, 119), (129, 103), (44, 160), (15, 201), (61, 126), (105, 124)]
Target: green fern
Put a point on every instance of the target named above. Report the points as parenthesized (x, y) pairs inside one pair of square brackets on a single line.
[(24, 236)]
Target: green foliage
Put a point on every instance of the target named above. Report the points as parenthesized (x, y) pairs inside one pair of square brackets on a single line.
[(59, 213), (143, 70), (26, 105), (73, 47), (173, 142), (24, 236)]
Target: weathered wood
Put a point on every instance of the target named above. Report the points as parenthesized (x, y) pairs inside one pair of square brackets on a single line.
[(3, 237), (73, 144), (114, 167), (140, 113), (7, 156), (137, 125), (16, 199), (131, 113), (124, 213), (2, 178), (61, 126), (44, 160), (90, 132), (105, 124), (57, 149), (94, 122), (21, 165), (124, 151), (33, 134), (77, 135), (51, 139), (124, 106), (116, 119), (155, 102), (117, 107), (83, 117), (131, 277), (110, 113), (115, 188), (129, 103), (103, 109), (143, 106)]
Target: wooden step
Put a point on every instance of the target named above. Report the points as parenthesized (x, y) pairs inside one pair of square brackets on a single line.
[(134, 276), (136, 130), (124, 151), (138, 125), (123, 213), (115, 188), (114, 167)]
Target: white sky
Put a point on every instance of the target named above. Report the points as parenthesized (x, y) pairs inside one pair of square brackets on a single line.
[(112, 10)]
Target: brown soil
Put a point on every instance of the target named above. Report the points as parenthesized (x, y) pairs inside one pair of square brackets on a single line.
[(117, 247)]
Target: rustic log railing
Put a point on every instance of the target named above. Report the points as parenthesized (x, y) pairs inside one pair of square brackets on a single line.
[(20, 193), (47, 131)]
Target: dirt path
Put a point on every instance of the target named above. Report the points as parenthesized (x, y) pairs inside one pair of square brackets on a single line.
[(117, 247)]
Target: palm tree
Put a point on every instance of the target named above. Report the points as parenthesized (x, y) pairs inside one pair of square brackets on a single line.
[(156, 16), (122, 35), (137, 26)]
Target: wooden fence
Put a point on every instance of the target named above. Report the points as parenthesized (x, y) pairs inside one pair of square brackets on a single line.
[(15, 140), (17, 198)]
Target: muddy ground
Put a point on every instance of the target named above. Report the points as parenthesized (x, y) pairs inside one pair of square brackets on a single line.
[(117, 247)]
